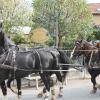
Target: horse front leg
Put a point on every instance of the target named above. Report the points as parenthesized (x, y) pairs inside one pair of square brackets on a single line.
[(18, 80), (40, 95), (4, 90), (9, 85), (18, 91)]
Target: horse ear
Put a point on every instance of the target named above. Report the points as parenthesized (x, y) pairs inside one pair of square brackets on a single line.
[(1, 23), (1, 26), (81, 41)]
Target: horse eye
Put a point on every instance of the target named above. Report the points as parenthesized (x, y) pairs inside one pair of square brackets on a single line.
[(77, 43)]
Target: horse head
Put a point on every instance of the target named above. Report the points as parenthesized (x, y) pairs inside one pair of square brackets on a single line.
[(1, 39), (78, 49), (5, 41)]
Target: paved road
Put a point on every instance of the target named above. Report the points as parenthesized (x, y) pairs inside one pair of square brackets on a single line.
[(75, 90)]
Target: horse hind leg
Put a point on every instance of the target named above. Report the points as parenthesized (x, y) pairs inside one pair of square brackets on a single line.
[(61, 83), (52, 85), (46, 82), (60, 89), (93, 80), (44, 92), (40, 95)]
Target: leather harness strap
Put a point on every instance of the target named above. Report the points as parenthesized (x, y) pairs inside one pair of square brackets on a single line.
[(41, 70)]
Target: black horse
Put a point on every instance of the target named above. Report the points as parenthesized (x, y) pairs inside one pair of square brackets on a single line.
[(25, 63), (4, 74), (92, 59)]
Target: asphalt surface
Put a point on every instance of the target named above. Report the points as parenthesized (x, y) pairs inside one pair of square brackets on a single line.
[(74, 90)]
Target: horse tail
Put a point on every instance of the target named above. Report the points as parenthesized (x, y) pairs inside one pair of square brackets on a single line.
[(54, 60), (64, 59)]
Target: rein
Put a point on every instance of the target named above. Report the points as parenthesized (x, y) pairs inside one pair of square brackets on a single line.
[(4, 66)]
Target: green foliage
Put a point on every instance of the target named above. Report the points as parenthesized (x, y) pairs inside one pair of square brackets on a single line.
[(68, 41), (63, 17), (95, 35), (50, 42), (14, 13), (91, 37), (96, 32), (19, 38)]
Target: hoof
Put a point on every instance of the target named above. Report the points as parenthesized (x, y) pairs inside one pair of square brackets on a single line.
[(93, 91), (60, 95), (5, 98), (18, 98), (40, 95), (46, 98), (97, 86), (53, 98)]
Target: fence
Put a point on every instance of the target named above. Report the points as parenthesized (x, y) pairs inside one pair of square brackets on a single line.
[(74, 73)]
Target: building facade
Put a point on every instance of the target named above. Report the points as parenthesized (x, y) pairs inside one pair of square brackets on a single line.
[(95, 10)]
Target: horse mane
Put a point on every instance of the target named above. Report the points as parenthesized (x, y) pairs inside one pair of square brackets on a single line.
[(89, 45), (8, 41), (2, 41)]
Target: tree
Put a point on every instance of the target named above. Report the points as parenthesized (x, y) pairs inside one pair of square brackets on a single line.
[(62, 17), (39, 35), (18, 39), (14, 13), (96, 32)]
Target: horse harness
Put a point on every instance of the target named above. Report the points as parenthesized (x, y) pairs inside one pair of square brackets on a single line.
[(53, 52), (11, 58), (41, 69), (92, 54)]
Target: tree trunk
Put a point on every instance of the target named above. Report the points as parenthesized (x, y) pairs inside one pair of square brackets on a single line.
[(57, 30)]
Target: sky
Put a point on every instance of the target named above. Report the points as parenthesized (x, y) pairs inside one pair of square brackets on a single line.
[(93, 1), (89, 1)]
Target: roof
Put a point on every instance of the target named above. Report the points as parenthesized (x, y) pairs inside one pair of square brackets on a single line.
[(94, 8)]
